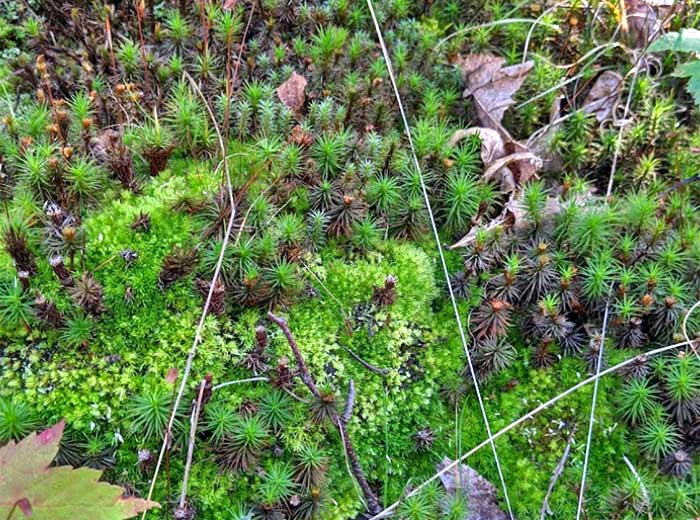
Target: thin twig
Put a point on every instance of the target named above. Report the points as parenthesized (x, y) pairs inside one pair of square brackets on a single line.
[(375, 370), (494, 24), (684, 326), (205, 310), (594, 399), (346, 317), (645, 493), (373, 506), (303, 369), (239, 381), (599, 360), (537, 21), (349, 402), (349, 469), (678, 185)]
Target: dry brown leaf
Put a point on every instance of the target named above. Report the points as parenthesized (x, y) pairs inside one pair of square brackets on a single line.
[(641, 21), (492, 146), (507, 162), (512, 217), (515, 159), (645, 19), (513, 214), (491, 85), (603, 96), (291, 92)]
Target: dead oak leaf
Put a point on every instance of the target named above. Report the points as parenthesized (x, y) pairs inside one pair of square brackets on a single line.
[(491, 85), (291, 92), (541, 141), (492, 146), (513, 217), (644, 20)]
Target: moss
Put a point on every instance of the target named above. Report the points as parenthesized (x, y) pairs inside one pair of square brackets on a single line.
[(328, 204)]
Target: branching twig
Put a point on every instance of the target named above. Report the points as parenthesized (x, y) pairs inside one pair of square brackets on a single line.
[(340, 422), (207, 303), (678, 185), (303, 369), (441, 254)]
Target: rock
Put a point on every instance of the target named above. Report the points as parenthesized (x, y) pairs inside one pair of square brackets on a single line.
[(481, 495)]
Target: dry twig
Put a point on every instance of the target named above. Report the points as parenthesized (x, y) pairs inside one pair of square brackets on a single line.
[(340, 422)]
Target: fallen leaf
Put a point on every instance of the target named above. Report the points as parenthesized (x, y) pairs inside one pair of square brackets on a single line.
[(57, 493), (641, 21), (603, 96), (512, 217), (291, 92), (507, 162), (230, 5), (491, 85), (481, 496), (492, 146), (645, 19), (515, 159)]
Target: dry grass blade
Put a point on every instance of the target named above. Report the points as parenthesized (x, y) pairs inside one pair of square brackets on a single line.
[(436, 236), (207, 303)]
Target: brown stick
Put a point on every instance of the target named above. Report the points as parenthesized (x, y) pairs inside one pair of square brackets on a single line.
[(303, 369), (340, 422)]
